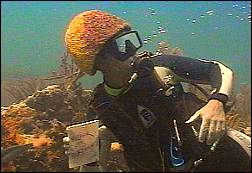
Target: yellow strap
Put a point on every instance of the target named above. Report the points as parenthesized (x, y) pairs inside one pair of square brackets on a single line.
[(113, 91)]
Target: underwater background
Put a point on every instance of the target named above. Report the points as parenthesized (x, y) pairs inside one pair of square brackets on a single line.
[(40, 93), (32, 33)]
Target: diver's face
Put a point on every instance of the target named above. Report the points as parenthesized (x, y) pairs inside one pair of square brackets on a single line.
[(121, 68), (118, 55)]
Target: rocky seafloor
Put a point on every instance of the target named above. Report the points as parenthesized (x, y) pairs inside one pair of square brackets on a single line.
[(41, 119)]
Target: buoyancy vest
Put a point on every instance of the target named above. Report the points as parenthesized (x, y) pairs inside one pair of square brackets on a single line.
[(142, 119)]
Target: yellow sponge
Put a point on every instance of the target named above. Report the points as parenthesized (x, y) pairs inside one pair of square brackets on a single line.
[(87, 33)]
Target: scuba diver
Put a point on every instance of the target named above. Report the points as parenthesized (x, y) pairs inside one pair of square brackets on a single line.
[(142, 101)]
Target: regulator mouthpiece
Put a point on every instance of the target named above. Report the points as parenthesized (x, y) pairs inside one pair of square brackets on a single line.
[(143, 66)]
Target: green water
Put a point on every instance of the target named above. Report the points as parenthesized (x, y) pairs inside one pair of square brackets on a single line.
[(32, 33)]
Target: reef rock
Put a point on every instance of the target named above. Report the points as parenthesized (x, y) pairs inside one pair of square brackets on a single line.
[(41, 120)]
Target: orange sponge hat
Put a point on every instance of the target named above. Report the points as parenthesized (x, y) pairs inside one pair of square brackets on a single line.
[(87, 33)]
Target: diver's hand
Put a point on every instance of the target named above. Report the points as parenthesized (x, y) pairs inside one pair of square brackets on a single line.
[(213, 121), (66, 142)]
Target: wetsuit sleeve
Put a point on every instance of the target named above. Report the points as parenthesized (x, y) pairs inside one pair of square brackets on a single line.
[(198, 71)]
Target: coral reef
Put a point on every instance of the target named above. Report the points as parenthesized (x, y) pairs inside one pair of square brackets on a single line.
[(18, 128), (41, 117), (66, 76), (13, 117), (239, 116), (243, 103), (44, 115), (17, 90)]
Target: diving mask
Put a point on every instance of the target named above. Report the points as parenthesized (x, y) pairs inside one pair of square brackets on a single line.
[(125, 45)]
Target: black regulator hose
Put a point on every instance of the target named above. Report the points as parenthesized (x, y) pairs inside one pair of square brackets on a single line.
[(143, 66)]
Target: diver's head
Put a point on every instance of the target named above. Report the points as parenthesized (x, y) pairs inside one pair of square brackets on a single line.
[(118, 53), (116, 57), (97, 39)]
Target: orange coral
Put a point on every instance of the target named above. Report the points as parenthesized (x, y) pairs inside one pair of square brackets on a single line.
[(116, 147), (11, 120), (38, 141), (43, 140), (87, 33)]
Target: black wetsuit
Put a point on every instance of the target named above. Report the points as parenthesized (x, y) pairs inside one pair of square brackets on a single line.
[(142, 118)]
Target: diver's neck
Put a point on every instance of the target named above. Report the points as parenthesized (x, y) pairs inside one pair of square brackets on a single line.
[(115, 81)]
